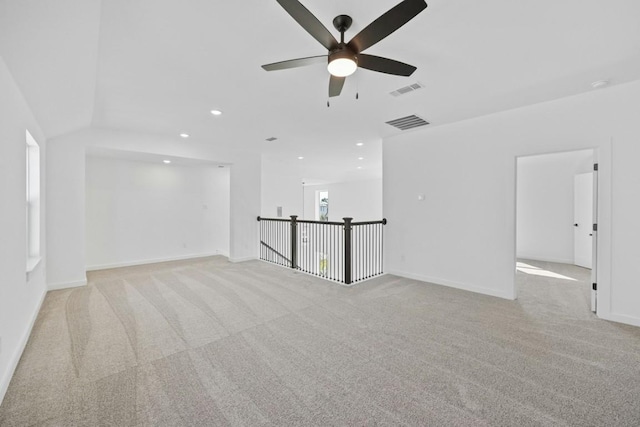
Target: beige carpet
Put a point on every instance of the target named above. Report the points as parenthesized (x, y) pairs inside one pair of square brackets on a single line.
[(212, 343)]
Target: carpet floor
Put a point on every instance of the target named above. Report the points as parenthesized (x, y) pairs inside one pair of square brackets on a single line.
[(210, 343)]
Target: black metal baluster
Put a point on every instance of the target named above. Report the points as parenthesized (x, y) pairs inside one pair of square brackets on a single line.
[(323, 254), (362, 253), (380, 231), (358, 251), (365, 249), (370, 243), (333, 253), (270, 240), (359, 255), (377, 269), (355, 262), (336, 252), (294, 241)]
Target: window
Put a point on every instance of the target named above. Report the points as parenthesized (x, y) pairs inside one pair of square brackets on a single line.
[(33, 202), (322, 204)]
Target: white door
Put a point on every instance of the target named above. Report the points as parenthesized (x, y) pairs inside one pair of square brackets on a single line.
[(583, 220)]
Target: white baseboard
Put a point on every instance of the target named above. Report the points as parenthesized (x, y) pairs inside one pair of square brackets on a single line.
[(621, 318), (15, 358), (66, 285), (457, 285), (546, 259), (249, 258), (151, 261)]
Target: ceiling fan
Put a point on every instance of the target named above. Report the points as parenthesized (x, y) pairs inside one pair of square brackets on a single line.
[(344, 58)]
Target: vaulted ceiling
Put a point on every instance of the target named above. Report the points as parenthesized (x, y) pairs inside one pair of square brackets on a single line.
[(160, 66)]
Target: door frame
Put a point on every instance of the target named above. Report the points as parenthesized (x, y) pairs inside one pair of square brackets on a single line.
[(602, 155)]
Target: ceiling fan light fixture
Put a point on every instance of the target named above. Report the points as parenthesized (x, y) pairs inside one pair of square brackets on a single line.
[(342, 63), (342, 67)]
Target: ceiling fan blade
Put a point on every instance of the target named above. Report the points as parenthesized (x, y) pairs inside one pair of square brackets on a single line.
[(386, 24), (309, 22), (295, 63), (385, 65), (335, 85)]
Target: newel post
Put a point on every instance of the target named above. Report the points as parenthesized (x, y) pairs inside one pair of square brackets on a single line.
[(347, 250), (294, 241)]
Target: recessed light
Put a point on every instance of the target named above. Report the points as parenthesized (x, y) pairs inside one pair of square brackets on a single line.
[(166, 162), (359, 167), (360, 158), (216, 112), (360, 144), (184, 135), (300, 157), (599, 84)]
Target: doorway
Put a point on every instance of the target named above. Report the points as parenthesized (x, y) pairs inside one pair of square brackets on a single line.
[(555, 241)]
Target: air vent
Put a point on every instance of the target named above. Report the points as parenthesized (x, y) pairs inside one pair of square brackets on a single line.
[(407, 89), (409, 122), (273, 138)]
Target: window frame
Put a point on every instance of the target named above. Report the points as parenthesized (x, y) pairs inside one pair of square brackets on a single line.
[(32, 202)]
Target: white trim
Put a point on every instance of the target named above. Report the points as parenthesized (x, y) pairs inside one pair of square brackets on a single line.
[(456, 285), (66, 285), (151, 261), (545, 259), (32, 263), (15, 359), (248, 258), (621, 318)]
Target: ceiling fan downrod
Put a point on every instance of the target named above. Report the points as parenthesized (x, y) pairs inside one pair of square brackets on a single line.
[(342, 23)]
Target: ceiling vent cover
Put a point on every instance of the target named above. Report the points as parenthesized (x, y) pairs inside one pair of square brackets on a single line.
[(407, 89), (271, 139), (409, 122)]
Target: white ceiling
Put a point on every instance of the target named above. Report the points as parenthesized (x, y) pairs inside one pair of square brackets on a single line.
[(159, 66)]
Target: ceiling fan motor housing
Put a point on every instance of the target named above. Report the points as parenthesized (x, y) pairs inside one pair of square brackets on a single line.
[(343, 52)]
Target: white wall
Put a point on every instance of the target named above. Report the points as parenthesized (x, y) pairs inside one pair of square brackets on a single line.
[(281, 186), (360, 200), (144, 211), (65, 216), (463, 234), (20, 294), (66, 180), (545, 204)]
